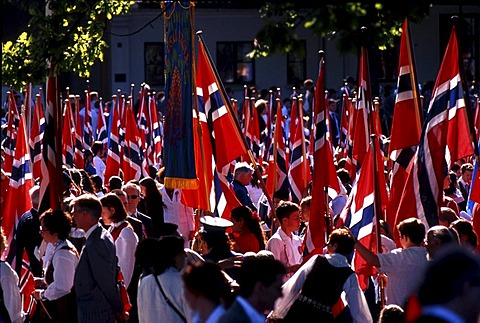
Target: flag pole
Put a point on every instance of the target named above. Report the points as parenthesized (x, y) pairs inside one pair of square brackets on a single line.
[(413, 76), (229, 108), (374, 139), (200, 136)]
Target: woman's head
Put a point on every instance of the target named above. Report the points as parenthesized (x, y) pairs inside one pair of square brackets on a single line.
[(244, 220), (170, 253), (113, 210), (55, 224)]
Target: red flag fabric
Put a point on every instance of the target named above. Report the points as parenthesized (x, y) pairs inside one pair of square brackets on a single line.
[(228, 144), (101, 131), (154, 149), (324, 173), (67, 136), (78, 157), (132, 155), (113, 162), (362, 109), (359, 213), (445, 139), (36, 138)]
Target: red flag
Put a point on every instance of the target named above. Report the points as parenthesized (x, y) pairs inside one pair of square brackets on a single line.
[(359, 213), (324, 173), (299, 171), (154, 149), (406, 115), (67, 136), (362, 108), (113, 162), (228, 144), (445, 139), (36, 137), (11, 137), (132, 155), (78, 157)]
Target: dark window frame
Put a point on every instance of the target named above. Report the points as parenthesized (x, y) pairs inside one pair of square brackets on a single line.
[(154, 65), (229, 63)]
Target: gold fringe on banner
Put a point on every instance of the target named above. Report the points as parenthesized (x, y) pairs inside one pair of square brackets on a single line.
[(183, 183)]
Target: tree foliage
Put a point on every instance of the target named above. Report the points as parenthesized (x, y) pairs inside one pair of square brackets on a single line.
[(341, 21), (71, 37)]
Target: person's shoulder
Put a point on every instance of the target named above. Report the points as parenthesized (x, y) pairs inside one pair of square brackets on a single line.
[(143, 216)]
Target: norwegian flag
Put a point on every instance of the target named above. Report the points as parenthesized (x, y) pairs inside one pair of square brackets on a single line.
[(78, 158), (220, 139), (293, 122), (344, 121), (20, 184), (36, 137), (113, 163), (87, 124), (132, 155), (154, 148), (299, 171), (11, 137), (228, 144), (324, 173), (277, 179), (406, 115), (51, 182), (360, 116), (253, 133), (359, 212), (445, 139), (68, 133), (102, 134), (142, 123)]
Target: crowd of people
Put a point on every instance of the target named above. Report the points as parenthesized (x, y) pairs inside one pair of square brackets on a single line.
[(134, 252)]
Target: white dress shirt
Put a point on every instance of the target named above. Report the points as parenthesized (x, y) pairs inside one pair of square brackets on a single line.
[(176, 212), (286, 249), (64, 262), (152, 306), (125, 247), (11, 292)]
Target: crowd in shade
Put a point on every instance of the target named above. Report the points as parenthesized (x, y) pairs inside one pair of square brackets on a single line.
[(322, 205)]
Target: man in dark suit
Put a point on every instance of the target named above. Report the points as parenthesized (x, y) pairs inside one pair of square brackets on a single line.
[(132, 194), (98, 298), (260, 280), (465, 181), (243, 175)]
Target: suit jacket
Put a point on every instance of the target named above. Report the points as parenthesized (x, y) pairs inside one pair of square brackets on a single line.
[(234, 314), (28, 237), (463, 189), (137, 226), (146, 221), (97, 294)]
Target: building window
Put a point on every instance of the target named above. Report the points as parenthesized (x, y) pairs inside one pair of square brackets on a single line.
[(297, 65), (234, 66), (469, 38), (154, 64)]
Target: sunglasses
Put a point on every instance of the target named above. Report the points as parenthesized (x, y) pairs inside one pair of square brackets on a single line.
[(132, 197)]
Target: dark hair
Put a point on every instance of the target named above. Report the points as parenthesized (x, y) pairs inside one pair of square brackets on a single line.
[(87, 184), (258, 270), (251, 221), (167, 249), (447, 215), (57, 221), (285, 208), (112, 200), (467, 167), (206, 278), (391, 313), (344, 240), (115, 182), (90, 204), (143, 254), (464, 228), (306, 201), (446, 276), (386, 228), (97, 183), (412, 228)]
